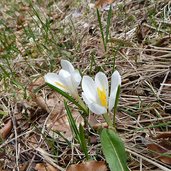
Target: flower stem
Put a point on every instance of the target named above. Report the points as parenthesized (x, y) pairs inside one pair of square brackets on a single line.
[(114, 119), (82, 104), (107, 119), (115, 106)]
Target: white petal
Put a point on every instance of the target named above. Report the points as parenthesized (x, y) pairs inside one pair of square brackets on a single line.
[(86, 100), (53, 79), (66, 65), (93, 106), (89, 88), (115, 81), (112, 99), (69, 80), (102, 82), (97, 109), (76, 78), (63, 73)]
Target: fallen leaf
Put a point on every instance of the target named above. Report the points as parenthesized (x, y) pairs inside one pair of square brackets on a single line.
[(23, 166), (36, 84), (101, 3), (163, 42), (52, 104), (165, 159), (142, 31), (89, 166), (60, 123), (33, 140), (51, 163), (45, 167), (161, 151), (6, 130), (156, 148)]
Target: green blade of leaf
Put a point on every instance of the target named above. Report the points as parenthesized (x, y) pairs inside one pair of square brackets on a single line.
[(67, 96), (101, 29), (83, 141), (72, 122), (114, 151), (108, 23), (79, 134)]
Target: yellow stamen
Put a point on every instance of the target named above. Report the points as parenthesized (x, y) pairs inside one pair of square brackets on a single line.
[(102, 96), (61, 85)]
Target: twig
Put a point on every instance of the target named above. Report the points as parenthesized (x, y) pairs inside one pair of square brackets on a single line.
[(148, 160), (161, 85), (16, 141)]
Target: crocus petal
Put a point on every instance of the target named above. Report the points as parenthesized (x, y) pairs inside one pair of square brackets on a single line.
[(97, 109), (55, 80), (66, 65), (68, 70), (86, 100), (68, 82), (89, 87), (102, 82), (115, 81), (64, 74), (76, 78), (112, 99), (93, 106)]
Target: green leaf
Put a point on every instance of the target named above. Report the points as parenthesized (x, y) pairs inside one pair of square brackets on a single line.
[(101, 29), (108, 23), (114, 151), (79, 134), (72, 122), (67, 96), (83, 141)]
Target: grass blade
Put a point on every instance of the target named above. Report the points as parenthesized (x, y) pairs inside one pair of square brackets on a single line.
[(72, 122), (83, 141), (108, 23), (79, 134), (101, 29), (67, 96), (115, 106)]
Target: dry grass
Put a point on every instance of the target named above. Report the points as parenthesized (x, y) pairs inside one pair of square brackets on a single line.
[(35, 36)]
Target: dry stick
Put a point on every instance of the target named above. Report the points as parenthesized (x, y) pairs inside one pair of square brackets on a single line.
[(150, 120), (9, 141), (169, 85), (159, 30), (161, 87), (166, 50), (47, 157), (40, 142), (148, 160), (38, 147), (16, 142)]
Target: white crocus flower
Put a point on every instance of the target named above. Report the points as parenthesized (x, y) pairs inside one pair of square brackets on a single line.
[(67, 80), (96, 92)]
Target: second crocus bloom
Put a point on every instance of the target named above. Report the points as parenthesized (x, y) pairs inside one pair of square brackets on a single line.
[(96, 92), (67, 80)]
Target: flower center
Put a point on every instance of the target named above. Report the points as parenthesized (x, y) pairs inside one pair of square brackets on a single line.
[(61, 85), (102, 96)]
